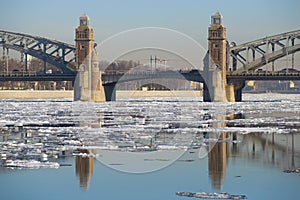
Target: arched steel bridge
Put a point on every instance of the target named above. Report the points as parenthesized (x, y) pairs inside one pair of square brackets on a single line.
[(244, 58), (253, 55), (58, 54)]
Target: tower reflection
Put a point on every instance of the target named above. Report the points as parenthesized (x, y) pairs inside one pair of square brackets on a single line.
[(84, 168), (217, 156), (217, 162), (268, 149)]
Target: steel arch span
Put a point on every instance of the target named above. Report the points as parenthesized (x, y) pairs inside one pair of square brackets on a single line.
[(56, 53), (255, 54)]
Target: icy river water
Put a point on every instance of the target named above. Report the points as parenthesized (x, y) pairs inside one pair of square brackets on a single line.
[(150, 148)]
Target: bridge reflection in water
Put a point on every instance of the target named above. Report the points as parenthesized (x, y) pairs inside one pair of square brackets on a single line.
[(267, 149), (217, 159), (271, 150), (84, 168)]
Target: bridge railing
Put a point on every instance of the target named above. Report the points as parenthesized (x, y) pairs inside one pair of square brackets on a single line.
[(134, 72), (18, 73), (264, 73)]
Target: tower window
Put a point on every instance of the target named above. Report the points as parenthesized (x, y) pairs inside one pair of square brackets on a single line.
[(215, 45), (216, 20), (82, 47)]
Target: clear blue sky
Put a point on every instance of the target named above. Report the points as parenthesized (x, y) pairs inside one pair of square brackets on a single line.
[(245, 20)]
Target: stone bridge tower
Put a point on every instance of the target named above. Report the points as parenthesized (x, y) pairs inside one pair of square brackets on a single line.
[(88, 84), (217, 44), (215, 63)]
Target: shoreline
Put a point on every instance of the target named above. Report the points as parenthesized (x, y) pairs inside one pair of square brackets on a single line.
[(121, 94), (68, 94), (36, 94)]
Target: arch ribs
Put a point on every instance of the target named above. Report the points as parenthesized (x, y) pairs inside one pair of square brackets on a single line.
[(255, 54), (58, 54)]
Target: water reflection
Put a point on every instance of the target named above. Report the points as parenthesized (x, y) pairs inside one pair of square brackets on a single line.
[(84, 167), (217, 156), (275, 149), (35, 140), (270, 150), (217, 162)]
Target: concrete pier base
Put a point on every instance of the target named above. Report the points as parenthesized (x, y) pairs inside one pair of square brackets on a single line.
[(97, 89), (88, 86), (214, 87)]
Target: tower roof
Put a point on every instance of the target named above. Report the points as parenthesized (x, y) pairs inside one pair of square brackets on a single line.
[(217, 14), (216, 19), (84, 20), (84, 16)]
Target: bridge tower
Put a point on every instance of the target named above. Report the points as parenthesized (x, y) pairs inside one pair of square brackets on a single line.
[(217, 44), (88, 84), (215, 63)]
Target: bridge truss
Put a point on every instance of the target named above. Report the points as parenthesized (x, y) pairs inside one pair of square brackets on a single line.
[(253, 55), (58, 54)]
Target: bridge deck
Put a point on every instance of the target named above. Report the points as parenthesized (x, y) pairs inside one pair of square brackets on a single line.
[(112, 78), (33, 76), (264, 75)]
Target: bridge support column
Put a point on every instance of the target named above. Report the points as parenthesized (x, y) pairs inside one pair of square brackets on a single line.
[(214, 87), (238, 92), (97, 89), (206, 93), (238, 86), (110, 92), (88, 85), (81, 87)]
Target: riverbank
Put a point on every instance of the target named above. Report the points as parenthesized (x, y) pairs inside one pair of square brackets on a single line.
[(36, 94), (123, 94)]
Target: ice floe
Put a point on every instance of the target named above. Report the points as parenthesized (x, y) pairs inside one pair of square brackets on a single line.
[(292, 170), (30, 164), (205, 195), (45, 130)]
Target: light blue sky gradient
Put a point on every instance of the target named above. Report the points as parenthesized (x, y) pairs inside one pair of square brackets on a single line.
[(56, 19)]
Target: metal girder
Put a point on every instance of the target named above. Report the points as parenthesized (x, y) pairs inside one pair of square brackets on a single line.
[(41, 48), (110, 79), (262, 54), (263, 41), (268, 58), (277, 42), (260, 50)]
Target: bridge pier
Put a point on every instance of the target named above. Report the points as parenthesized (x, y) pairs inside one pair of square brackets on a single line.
[(214, 87), (238, 87), (110, 92), (206, 93)]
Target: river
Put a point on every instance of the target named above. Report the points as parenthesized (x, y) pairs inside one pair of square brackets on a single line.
[(151, 148)]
